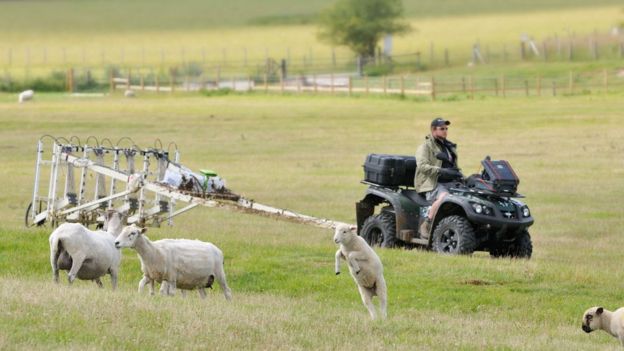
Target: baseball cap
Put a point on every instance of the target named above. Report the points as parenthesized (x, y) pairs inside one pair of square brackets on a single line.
[(439, 121)]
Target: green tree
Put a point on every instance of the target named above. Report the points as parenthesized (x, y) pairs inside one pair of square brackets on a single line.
[(360, 24)]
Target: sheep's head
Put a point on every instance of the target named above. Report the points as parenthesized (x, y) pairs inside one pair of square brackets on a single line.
[(128, 236), (592, 319), (344, 233)]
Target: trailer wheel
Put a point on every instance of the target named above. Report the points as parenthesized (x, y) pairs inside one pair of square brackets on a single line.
[(380, 230), (27, 222)]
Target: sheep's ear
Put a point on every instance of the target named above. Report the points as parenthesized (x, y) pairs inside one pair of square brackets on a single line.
[(143, 230), (599, 310), (352, 228)]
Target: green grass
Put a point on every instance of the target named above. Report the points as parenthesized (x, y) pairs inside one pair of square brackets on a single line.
[(305, 153)]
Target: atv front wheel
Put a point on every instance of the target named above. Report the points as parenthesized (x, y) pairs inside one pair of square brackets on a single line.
[(380, 230), (454, 235), (522, 247)]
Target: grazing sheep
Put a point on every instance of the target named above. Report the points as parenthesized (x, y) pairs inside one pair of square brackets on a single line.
[(176, 263), (129, 93), (25, 96), (364, 265), (600, 318), (87, 254)]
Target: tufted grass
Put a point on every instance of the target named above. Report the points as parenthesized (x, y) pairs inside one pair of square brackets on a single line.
[(305, 153)]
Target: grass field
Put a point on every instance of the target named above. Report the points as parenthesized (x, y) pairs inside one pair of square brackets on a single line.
[(305, 153), (41, 35)]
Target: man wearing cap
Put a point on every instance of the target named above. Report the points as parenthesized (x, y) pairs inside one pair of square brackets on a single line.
[(436, 166)]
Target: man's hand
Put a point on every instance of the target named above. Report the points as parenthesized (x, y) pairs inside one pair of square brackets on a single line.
[(450, 173)]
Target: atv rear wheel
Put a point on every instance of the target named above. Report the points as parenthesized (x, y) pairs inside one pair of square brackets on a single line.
[(380, 230), (522, 247), (454, 235)]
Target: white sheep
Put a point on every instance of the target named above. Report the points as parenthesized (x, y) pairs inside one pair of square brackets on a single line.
[(25, 96), (364, 265), (176, 263), (87, 254)]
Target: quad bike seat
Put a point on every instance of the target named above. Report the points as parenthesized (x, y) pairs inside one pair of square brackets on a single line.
[(416, 197)]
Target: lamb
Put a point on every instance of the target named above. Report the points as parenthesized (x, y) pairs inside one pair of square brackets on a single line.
[(176, 263), (364, 265), (87, 254)]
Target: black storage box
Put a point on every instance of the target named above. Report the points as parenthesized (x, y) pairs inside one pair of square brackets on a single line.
[(500, 176), (390, 170)]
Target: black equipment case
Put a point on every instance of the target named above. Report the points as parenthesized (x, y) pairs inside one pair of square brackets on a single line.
[(390, 170), (500, 176)]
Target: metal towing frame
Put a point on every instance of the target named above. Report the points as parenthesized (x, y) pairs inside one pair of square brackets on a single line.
[(143, 195)]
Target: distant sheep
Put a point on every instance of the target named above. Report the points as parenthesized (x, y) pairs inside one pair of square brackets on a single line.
[(129, 93), (176, 263), (87, 254), (25, 96), (364, 265)]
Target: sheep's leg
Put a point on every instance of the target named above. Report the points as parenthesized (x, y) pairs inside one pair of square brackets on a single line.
[(78, 259), (381, 291), (352, 259), (142, 283), (220, 275), (98, 281), (172, 288), (339, 255), (113, 273), (367, 299), (164, 288), (54, 255), (202, 293)]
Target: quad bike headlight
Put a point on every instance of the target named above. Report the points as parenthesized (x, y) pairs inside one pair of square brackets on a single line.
[(477, 208), (482, 209), (526, 212)]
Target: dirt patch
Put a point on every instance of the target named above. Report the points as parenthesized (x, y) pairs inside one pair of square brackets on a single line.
[(478, 282)]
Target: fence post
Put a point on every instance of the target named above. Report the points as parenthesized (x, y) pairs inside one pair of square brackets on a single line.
[(503, 85), (570, 83), (433, 89), (496, 86), (402, 85), (431, 54), (350, 86), (129, 77), (472, 88), (172, 82), (70, 80), (281, 77), (111, 79), (554, 88)]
